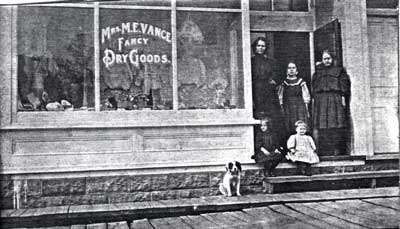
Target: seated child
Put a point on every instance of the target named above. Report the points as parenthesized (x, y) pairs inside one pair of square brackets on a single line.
[(302, 149), (267, 149)]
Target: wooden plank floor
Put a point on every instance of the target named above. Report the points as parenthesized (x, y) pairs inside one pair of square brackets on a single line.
[(354, 213), (347, 209)]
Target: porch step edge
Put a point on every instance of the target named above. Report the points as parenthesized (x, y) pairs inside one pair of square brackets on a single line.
[(151, 209)]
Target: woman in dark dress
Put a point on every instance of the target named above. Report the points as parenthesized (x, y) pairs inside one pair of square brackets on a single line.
[(294, 98), (331, 92), (264, 85)]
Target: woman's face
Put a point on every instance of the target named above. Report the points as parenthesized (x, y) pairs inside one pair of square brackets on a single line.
[(264, 126), (291, 69), (261, 47), (326, 59)]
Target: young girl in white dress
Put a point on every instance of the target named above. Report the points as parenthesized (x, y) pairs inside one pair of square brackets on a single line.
[(302, 149)]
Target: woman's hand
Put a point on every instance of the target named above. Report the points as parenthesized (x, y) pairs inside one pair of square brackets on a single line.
[(343, 101), (265, 151)]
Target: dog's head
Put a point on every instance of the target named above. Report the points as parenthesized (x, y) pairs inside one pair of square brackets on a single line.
[(234, 167)]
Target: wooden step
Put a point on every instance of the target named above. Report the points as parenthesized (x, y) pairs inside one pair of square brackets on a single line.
[(342, 158), (373, 175)]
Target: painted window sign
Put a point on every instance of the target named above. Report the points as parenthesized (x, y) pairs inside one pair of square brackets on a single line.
[(135, 53), (139, 29)]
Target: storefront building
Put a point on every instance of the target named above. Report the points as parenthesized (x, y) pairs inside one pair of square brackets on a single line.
[(115, 101)]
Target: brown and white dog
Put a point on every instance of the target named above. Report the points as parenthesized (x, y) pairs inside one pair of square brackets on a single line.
[(231, 180)]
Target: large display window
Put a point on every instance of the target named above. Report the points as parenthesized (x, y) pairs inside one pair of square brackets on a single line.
[(135, 53), (124, 56), (210, 72), (55, 58)]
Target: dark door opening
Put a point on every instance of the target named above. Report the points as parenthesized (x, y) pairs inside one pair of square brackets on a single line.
[(288, 46), (281, 48)]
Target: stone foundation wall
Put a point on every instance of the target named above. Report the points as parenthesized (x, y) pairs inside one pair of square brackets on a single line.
[(35, 193)]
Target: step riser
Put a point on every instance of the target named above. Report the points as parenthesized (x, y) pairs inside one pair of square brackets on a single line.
[(335, 185)]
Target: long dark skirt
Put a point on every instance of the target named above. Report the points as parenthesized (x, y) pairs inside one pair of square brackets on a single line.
[(331, 142), (295, 109), (328, 111)]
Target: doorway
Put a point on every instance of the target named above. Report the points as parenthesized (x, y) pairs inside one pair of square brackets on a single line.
[(282, 48), (288, 46)]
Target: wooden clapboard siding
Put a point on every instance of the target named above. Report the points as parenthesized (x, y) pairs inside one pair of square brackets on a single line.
[(383, 61)]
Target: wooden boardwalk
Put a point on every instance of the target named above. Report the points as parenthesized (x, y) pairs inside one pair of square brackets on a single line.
[(355, 208), (346, 214)]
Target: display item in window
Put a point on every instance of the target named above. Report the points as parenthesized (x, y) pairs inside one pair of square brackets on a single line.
[(39, 83), (190, 32), (118, 76)]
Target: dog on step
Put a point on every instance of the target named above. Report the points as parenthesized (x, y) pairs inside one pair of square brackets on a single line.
[(231, 180)]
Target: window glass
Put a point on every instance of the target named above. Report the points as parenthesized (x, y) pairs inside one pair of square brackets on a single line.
[(210, 71), (135, 65), (279, 5), (393, 4), (291, 5), (233, 4), (260, 5), (55, 59), (138, 2)]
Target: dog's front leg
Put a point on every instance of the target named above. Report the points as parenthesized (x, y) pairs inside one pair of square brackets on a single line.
[(228, 189), (238, 188)]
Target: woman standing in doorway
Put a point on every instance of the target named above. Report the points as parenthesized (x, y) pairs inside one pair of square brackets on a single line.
[(331, 92), (264, 85)]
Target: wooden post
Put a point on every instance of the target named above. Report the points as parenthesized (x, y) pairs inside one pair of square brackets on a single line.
[(398, 67), (312, 57), (246, 54), (96, 24), (174, 57)]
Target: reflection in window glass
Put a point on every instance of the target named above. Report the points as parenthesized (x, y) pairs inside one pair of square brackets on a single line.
[(260, 5), (210, 73), (279, 5), (233, 4), (135, 59), (55, 59), (138, 2), (291, 5), (393, 4)]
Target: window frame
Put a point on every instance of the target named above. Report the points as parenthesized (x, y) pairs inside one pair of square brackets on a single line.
[(134, 118)]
